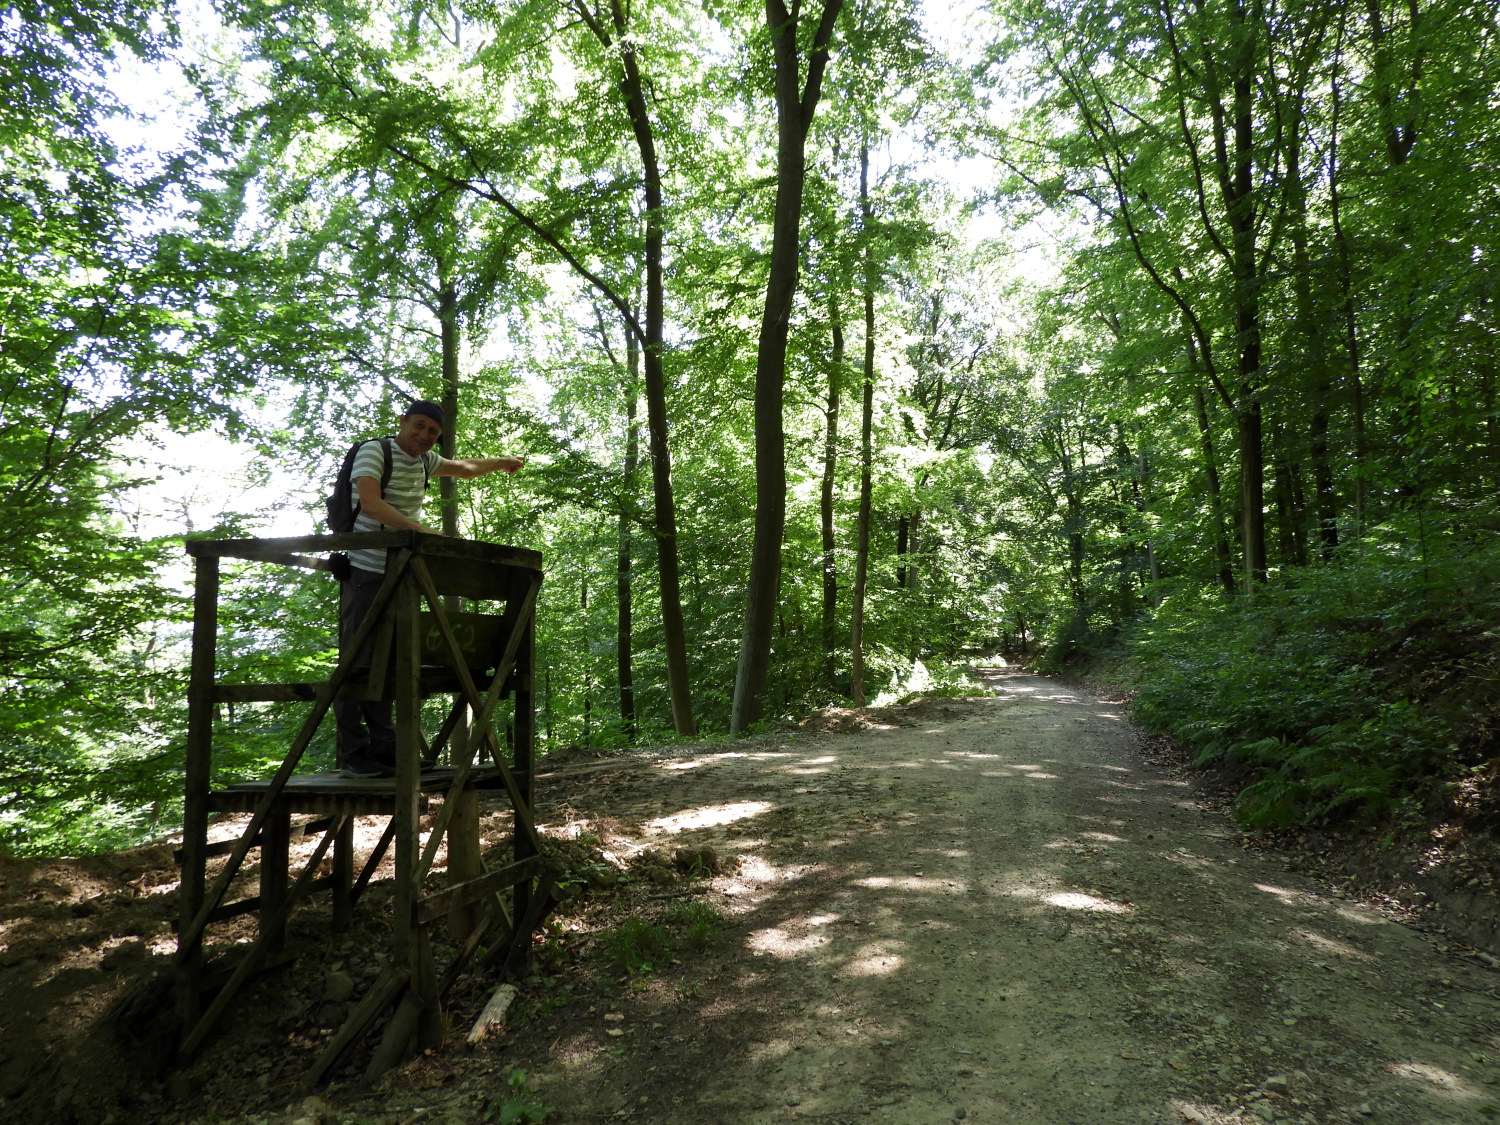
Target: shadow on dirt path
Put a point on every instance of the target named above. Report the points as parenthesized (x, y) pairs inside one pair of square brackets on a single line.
[(990, 910), (1001, 914)]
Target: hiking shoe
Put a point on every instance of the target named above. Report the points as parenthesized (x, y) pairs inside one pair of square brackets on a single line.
[(365, 771)]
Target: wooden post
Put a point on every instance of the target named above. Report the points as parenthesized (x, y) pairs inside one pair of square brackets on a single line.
[(524, 721), (408, 702), (343, 875), (198, 770), (275, 860), (464, 860)]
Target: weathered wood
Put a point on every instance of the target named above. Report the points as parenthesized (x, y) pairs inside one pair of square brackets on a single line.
[(437, 651), (328, 793), (447, 549), (492, 1018), (198, 769), (224, 847), (408, 705), (275, 856), (438, 903), (435, 680), (343, 875), (478, 638), (192, 933), (539, 904), (518, 615), (252, 904), (390, 985), (465, 862), (262, 945), (398, 1038)]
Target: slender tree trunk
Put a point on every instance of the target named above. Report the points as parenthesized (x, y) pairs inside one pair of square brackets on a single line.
[(674, 632), (1346, 281), (448, 339), (795, 105), (1291, 504), (624, 603), (903, 547), (1215, 491), (866, 452), (1240, 204), (1309, 341), (826, 498)]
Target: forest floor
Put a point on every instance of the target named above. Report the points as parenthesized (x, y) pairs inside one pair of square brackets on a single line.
[(1001, 910)]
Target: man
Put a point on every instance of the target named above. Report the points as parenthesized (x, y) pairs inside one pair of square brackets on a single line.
[(366, 732)]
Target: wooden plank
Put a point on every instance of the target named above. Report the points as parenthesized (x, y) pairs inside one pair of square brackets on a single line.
[(438, 903), (343, 876), (477, 637), (224, 847), (275, 550), (465, 861), (435, 680), (253, 903), (526, 844), (266, 693), (275, 859), (408, 706), (380, 997), (518, 615), (518, 951), (450, 553)]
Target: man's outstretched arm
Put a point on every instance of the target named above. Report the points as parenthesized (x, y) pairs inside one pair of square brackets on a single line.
[(477, 467)]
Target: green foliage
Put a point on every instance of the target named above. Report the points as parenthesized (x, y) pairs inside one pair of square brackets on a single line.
[(519, 1106), (641, 946), (1349, 692), (696, 924), (637, 946)]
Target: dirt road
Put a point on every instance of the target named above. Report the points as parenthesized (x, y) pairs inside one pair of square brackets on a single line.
[(991, 910), (1002, 915)]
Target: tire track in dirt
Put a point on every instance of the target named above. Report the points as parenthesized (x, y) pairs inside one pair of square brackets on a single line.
[(1004, 915)]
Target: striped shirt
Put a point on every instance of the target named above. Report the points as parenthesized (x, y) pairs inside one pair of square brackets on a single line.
[(405, 491)]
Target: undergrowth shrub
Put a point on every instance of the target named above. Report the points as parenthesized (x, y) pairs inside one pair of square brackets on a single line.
[(1334, 692)]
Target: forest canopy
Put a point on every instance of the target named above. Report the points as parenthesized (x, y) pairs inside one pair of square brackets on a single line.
[(845, 342)]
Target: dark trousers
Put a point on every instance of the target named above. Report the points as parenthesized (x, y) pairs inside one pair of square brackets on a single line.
[(366, 730)]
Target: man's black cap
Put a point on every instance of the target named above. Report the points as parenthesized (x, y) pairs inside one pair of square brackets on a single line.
[(428, 409)]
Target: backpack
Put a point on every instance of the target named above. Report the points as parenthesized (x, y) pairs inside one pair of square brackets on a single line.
[(342, 509)]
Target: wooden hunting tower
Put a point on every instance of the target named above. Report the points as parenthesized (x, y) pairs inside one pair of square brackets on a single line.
[(478, 658)]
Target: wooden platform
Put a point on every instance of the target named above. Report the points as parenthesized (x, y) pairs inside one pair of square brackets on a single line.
[(481, 659)]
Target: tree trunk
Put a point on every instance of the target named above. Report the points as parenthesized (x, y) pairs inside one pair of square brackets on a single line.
[(866, 454), (674, 633), (1349, 315), (1215, 490), (794, 110), (1239, 201), (826, 498), (624, 605), (448, 337)]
